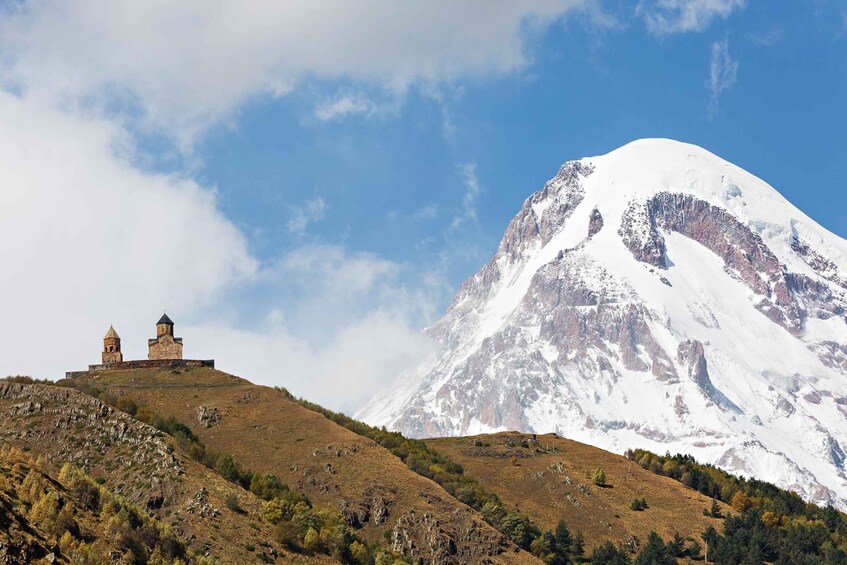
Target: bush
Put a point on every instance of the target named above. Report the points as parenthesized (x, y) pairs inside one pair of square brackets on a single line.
[(639, 504), (359, 553), (598, 477), (312, 540), (233, 504)]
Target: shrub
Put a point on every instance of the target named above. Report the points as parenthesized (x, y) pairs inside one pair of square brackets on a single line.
[(639, 504), (359, 553), (233, 504), (312, 540), (598, 477)]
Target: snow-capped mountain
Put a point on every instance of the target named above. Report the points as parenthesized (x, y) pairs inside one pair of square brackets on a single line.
[(657, 297)]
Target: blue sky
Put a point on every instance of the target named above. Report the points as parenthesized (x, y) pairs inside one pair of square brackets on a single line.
[(304, 188), (393, 183)]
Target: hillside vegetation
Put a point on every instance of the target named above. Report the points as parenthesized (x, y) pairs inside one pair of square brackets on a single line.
[(549, 478), (263, 431), (134, 466), (200, 466)]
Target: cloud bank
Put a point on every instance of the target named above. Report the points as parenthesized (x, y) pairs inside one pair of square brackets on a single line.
[(89, 238), (182, 66)]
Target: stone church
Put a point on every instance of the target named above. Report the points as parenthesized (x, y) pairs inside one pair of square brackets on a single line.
[(165, 345), (163, 352)]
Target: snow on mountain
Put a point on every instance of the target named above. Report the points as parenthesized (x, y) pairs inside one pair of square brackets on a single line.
[(657, 297)]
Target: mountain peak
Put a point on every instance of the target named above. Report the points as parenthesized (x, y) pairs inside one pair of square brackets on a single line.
[(660, 297)]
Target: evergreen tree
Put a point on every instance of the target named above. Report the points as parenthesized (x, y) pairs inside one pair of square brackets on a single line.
[(715, 511), (655, 552), (563, 542), (710, 536), (578, 546), (609, 554), (676, 546)]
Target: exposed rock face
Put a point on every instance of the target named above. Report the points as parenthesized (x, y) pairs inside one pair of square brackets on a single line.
[(140, 453), (700, 312), (423, 534), (208, 416)]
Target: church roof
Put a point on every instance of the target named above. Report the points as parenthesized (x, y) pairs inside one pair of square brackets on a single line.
[(165, 320), (112, 334)]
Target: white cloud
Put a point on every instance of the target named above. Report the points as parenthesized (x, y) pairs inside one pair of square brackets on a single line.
[(87, 240), (344, 106), (429, 212), (185, 65), (665, 17), (342, 373), (723, 71), (349, 328), (470, 197), (307, 213)]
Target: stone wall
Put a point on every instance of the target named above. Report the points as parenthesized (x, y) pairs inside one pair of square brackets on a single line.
[(112, 357), (145, 364), (165, 347)]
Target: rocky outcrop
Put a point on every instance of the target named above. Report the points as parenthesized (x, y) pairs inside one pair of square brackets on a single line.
[(373, 505), (786, 298), (422, 534), (80, 429), (595, 223), (208, 416)]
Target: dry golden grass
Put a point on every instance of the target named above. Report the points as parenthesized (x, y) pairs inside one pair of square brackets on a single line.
[(266, 432), (557, 485), (65, 426)]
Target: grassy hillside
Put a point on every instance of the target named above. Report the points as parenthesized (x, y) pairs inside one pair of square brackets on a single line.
[(136, 465), (264, 431), (48, 516), (243, 473), (551, 479)]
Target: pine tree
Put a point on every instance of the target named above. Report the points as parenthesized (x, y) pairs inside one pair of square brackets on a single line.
[(654, 552), (563, 543), (677, 545), (715, 511), (609, 554), (578, 546), (710, 536)]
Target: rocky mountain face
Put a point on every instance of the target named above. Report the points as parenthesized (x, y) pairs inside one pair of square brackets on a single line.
[(655, 297)]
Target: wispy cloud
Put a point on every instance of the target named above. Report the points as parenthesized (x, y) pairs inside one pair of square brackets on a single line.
[(667, 17), (472, 190), (766, 39), (723, 71), (429, 212), (358, 104), (307, 213)]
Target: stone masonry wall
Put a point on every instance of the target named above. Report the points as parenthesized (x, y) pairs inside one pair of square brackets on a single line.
[(165, 347), (145, 364)]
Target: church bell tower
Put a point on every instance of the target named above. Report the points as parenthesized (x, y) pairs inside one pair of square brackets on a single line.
[(112, 347)]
